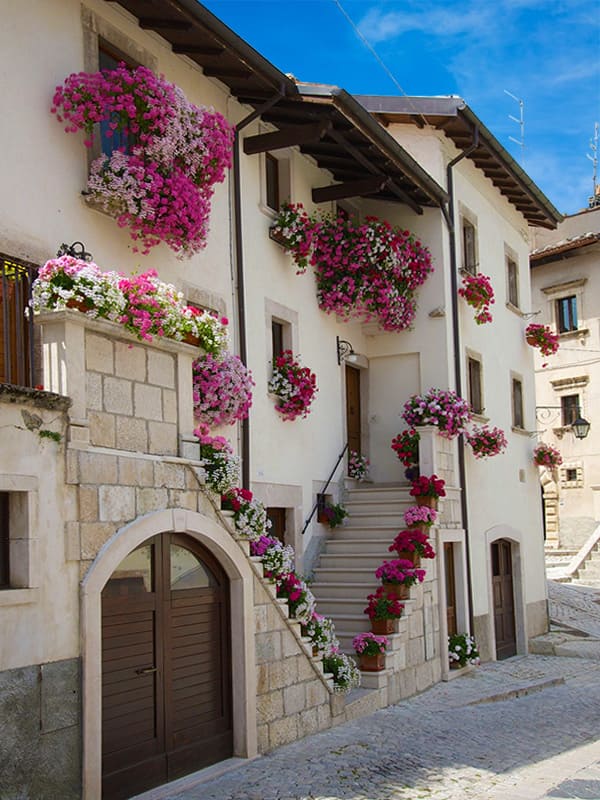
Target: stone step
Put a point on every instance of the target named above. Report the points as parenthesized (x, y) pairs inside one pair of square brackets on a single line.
[(355, 575), (375, 507), (344, 590), (347, 546), (346, 623), (379, 493), (363, 531), (370, 560), (378, 518), (333, 606)]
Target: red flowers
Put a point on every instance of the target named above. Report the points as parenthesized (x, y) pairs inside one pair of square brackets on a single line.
[(541, 336), (295, 386), (406, 447), (431, 486), (413, 541), (383, 605), (478, 292)]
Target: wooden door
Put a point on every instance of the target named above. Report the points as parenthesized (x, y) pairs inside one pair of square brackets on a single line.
[(504, 606), (166, 680), (353, 409), (450, 588)]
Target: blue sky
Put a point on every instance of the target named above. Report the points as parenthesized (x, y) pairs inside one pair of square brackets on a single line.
[(546, 52)]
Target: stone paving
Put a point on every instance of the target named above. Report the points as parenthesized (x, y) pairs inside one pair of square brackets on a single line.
[(522, 729)]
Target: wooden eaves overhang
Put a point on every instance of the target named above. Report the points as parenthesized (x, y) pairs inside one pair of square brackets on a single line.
[(324, 122), (563, 250), (452, 116)]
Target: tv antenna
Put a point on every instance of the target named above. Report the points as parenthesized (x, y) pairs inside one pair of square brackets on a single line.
[(595, 198), (520, 120)]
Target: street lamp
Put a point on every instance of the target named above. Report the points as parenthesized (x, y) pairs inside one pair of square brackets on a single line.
[(579, 426)]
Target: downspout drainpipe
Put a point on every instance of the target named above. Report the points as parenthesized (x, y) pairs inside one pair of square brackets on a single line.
[(239, 264), (450, 220)]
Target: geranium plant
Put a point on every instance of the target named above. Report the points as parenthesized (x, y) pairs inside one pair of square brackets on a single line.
[(249, 515), (221, 466), (478, 292), (294, 385), (544, 455), (222, 389), (358, 466), (486, 442), (383, 605), (543, 338), (365, 271), (406, 447), (462, 650), (161, 188), (333, 514), (420, 515), (369, 644), (428, 486), (412, 541), (440, 407), (399, 571)]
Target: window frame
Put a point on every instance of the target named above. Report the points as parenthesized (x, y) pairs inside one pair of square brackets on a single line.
[(570, 407), (473, 361), (517, 404), (272, 183), (512, 281), (563, 319), (4, 541), (470, 261)]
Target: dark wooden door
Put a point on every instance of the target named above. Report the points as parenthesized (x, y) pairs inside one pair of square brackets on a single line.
[(353, 409), (504, 605), (166, 679), (450, 588)]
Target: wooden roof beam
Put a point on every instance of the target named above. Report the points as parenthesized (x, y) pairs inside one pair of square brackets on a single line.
[(165, 24), (340, 191), (286, 137), (226, 72), (197, 50)]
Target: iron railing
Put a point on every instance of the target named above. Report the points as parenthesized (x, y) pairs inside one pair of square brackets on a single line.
[(16, 322), (318, 506)]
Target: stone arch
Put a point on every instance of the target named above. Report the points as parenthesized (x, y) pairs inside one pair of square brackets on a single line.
[(229, 554), (515, 537)]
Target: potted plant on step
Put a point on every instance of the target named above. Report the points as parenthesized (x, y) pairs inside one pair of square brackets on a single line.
[(412, 545), (426, 490), (332, 514), (383, 609), (398, 576), (420, 517), (371, 651), (462, 650)]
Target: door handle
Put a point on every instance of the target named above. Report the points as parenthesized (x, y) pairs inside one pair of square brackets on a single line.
[(146, 670)]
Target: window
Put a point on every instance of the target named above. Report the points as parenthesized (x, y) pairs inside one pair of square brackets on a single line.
[(469, 241), (517, 403), (277, 516), (475, 393), (277, 338), (512, 275), (571, 474), (16, 329), (109, 59), (272, 194), (569, 405), (4, 542), (566, 314)]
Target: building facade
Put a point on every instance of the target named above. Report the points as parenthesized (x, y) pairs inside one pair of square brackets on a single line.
[(108, 685)]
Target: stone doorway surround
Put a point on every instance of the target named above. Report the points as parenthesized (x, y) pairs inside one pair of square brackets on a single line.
[(227, 551)]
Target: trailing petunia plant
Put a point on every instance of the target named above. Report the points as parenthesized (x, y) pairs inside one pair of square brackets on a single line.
[(162, 186), (222, 389), (544, 455), (369, 644), (221, 465), (462, 650), (486, 442), (358, 466), (478, 292), (249, 515), (277, 558), (365, 271), (543, 338), (440, 407), (294, 385)]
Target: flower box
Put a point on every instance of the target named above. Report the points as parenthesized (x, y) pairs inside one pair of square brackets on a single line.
[(374, 663), (382, 627)]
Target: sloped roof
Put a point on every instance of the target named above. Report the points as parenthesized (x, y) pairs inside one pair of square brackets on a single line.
[(453, 116), (562, 249)]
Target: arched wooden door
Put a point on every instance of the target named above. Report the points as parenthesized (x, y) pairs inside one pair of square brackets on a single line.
[(504, 604), (166, 666)]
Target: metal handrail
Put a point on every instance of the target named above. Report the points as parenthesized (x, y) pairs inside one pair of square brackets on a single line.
[(323, 490)]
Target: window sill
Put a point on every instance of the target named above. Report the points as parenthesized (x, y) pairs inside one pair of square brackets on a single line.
[(520, 431), (515, 310), (18, 597), (480, 417), (267, 211), (580, 333)]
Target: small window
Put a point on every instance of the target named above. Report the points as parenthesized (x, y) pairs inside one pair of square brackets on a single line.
[(272, 182), (512, 274), (475, 393), (571, 474), (4, 541), (566, 314), (111, 140), (569, 405), (277, 517), (517, 403), (469, 238), (277, 338)]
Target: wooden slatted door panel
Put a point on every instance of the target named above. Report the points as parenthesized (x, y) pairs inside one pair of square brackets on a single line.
[(504, 610), (198, 722), (450, 588), (353, 409)]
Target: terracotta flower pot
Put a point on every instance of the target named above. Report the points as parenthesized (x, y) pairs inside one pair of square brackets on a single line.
[(410, 555), (78, 305), (531, 340), (456, 665), (424, 500), (371, 663), (189, 338), (399, 589), (382, 627)]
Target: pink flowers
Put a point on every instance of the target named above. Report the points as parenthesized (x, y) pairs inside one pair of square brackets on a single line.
[(431, 486), (367, 271), (478, 292), (161, 188), (399, 571), (541, 336), (295, 386), (222, 389), (486, 442), (544, 455), (420, 515), (368, 644), (412, 541), (440, 407)]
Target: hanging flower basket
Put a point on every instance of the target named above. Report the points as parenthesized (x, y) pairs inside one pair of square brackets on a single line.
[(440, 407), (294, 385), (543, 338), (544, 455), (478, 292), (222, 389), (486, 442)]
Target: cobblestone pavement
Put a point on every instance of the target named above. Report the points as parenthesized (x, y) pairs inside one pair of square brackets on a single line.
[(575, 606), (521, 729)]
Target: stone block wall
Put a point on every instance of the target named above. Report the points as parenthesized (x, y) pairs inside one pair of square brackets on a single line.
[(40, 745)]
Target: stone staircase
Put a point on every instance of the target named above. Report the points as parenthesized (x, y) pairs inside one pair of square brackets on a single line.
[(346, 571), (557, 560), (588, 574)]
